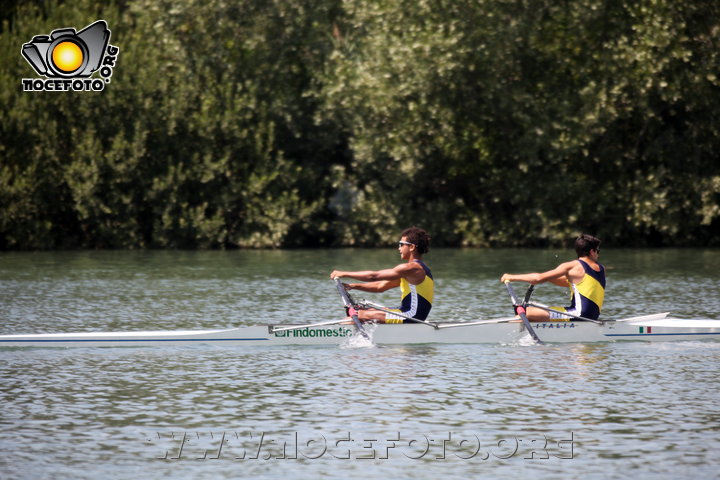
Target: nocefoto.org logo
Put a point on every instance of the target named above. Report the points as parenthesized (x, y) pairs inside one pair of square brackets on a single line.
[(67, 59)]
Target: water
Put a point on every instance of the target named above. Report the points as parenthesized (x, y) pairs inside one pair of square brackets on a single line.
[(501, 411)]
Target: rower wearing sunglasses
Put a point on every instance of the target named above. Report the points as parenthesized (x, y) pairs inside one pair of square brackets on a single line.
[(585, 277), (413, 277)]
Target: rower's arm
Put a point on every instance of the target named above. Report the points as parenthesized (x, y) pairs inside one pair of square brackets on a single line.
[(558, 275), (369, 275), (522, 277), (376, 281), (560, 282), (413, 272), (374, 287)]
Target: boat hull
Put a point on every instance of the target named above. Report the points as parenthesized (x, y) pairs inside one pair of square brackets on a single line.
[(664, 329)]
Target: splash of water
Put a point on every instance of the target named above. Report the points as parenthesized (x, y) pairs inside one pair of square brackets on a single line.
[(357, 340)]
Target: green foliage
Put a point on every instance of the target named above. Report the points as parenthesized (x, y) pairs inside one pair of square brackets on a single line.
[(203, 139), (498, 122), (279, 124)]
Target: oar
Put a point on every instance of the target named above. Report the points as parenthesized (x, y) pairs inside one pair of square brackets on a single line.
[(352, 312), (520, 310)]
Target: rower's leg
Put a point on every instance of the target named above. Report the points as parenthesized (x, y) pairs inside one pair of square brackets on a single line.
[(535, 314), (371, 315)]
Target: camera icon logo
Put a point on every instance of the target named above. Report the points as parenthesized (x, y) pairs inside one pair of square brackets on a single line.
[(66, 53)]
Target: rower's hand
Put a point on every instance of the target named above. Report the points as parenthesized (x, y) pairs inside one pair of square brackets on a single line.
[(337, 274), (505, 278)]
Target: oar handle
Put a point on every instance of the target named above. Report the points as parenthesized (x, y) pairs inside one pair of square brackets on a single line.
[(513, 297), (347, 299), (343, 293)]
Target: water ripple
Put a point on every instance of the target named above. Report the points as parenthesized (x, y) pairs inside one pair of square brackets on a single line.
[(627, 409)]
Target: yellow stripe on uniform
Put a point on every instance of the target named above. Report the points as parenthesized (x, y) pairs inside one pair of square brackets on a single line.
[(591, 289)]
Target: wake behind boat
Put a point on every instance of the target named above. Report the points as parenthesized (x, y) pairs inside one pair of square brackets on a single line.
[(507, 330)]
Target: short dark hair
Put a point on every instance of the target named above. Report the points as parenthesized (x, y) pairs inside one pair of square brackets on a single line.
[(584, 243), (418, 237)]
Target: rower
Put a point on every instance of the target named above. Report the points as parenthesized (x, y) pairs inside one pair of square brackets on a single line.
[(585, 277), (413, 277)]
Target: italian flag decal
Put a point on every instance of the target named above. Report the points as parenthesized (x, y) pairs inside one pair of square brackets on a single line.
[(647, 329)]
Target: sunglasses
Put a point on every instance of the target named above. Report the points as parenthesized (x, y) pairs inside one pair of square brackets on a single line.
[(401, 243)]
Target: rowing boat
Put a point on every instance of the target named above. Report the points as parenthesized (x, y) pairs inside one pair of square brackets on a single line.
[(507, 330), (649, 328)]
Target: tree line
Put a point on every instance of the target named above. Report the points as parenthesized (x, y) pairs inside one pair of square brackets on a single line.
[(276, 123)]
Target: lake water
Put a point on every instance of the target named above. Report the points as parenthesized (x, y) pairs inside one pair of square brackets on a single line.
[(605, 411)]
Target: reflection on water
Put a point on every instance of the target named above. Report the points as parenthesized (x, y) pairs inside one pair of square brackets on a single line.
[(505, 411)]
